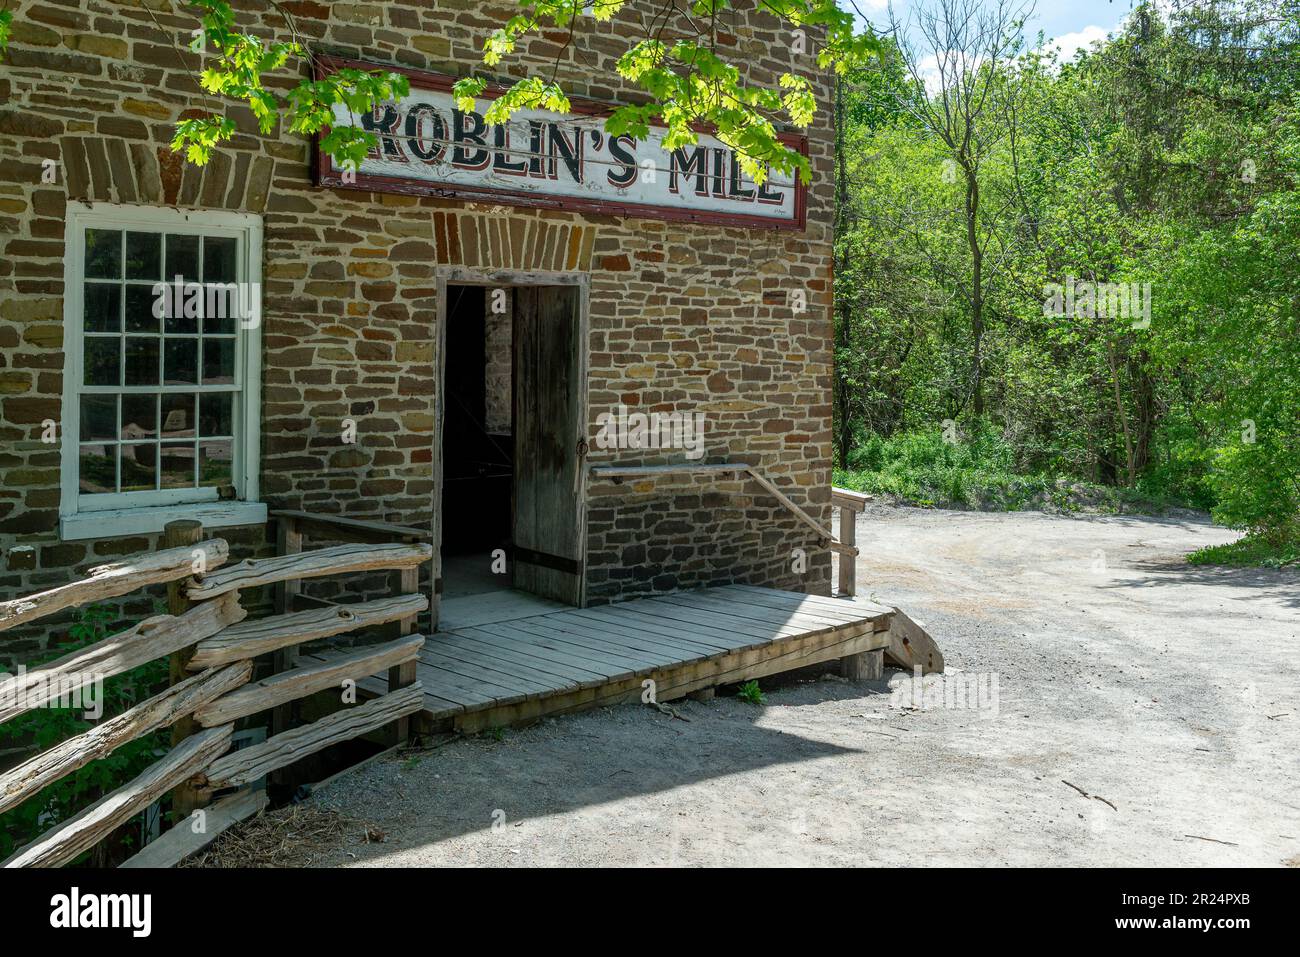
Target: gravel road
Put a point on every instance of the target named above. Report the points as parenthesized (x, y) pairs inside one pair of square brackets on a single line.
[(1166, 695)]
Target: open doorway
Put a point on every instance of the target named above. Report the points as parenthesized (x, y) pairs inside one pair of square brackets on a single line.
[(477, 445), (512, 441)]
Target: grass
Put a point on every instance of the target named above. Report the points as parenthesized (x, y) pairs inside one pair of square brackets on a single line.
[(1251, 551), (978, 470)]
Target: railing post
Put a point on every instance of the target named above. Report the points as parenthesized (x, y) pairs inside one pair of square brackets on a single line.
[(176, 534), (288, 539), (399, 676), (848, 561)]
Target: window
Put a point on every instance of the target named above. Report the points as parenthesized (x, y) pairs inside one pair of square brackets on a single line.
[(162, 369)]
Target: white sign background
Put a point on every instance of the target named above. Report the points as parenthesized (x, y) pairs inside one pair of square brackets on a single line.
[(426, 142)]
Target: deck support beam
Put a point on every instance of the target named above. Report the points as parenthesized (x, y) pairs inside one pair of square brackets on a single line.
[(867, 666)]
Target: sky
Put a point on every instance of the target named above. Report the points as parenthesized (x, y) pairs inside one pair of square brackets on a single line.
[(1067, 24)]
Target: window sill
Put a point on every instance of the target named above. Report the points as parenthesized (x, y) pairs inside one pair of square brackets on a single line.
[(143, 521)]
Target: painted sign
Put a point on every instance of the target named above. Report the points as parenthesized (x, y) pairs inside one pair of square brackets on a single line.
[(428, 147)]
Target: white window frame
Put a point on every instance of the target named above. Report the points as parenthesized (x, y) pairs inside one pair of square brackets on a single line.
[(105, 515)]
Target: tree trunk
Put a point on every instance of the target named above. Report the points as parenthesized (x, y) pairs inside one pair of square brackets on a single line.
[(843, 334), (977, 290)]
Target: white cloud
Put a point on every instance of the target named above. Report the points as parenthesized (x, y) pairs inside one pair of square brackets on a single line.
[(1071, 43)]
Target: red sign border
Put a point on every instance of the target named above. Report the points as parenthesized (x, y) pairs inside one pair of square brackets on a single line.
[(426, 80)]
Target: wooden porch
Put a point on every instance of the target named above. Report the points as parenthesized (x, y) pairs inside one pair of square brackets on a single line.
[(509, 657)]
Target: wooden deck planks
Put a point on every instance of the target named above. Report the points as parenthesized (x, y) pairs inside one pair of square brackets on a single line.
[(517, 655), (773, 596), (520, 641), (802, 616), (622, 618), (469, 611), (523, 657), (649, 633), (568, 634), (683, 622)]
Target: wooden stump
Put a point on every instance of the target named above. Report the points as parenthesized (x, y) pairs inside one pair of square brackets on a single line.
[(867, 666)]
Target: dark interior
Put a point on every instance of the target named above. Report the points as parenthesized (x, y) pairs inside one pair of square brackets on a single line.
[(478, 467)]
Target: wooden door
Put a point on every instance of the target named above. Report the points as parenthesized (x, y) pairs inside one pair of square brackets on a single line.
[(550, 446)]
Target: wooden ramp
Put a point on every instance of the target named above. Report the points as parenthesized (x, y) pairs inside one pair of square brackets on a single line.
[(521, 658)]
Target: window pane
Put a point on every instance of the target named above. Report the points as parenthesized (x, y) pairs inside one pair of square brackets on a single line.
[(177, 465), (219, 258), (136, 336), (178, 415), (218, 361), (215, 463), (143, 256), (141, 360), (182, 258), (140, 316), (98, 417), (216, 413), (181, 362), (103, 307), (223, 310), (102, 360), (139, 467), (98, 469), (103, 254), (139, 416), (181, 311)]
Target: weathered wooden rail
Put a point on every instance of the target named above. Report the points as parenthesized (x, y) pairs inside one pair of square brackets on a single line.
[(212, 649), (849, 503)]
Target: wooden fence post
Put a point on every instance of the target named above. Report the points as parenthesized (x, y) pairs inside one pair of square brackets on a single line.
[(175, 534), (288, 542), (848, 561), (399, 676)]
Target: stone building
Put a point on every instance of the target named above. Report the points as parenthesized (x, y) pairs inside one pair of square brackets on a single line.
[(457, 337)]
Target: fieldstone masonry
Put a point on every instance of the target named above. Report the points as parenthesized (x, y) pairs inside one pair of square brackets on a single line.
[(684, 317)]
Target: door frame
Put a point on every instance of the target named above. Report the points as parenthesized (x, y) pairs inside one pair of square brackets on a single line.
[(445, 276)]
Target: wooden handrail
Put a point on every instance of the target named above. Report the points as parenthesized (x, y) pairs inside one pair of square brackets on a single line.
[(115, 580), (341, 529), (314, 564), (848, 502), (618, 473), (844, 498)]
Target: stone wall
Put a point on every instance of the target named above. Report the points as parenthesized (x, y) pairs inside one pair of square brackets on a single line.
[(686, 317)]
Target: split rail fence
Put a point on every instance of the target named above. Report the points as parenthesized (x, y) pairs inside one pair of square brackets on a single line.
[(211, 648)]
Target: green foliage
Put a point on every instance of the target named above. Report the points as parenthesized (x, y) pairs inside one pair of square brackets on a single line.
[(237, 72), (981, 469), (1250, 551), (6, 21), (1168, 155), (42, 728), (751, 692), (687, 80)]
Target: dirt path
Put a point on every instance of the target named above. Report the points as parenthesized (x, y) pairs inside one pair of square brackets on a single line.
[(1168, 692)]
